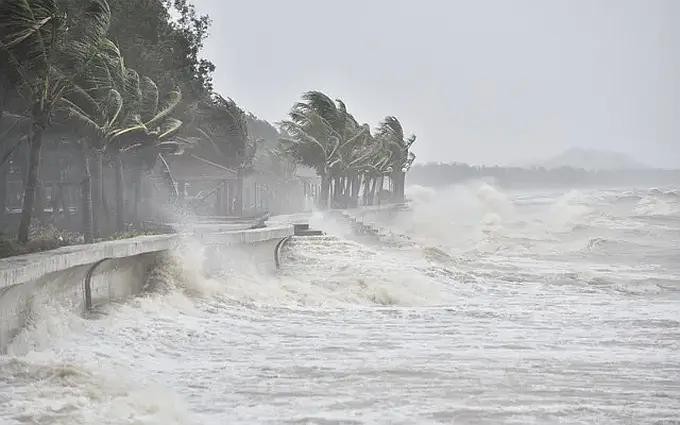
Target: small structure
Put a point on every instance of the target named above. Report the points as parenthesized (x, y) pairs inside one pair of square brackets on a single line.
[(206, 187)]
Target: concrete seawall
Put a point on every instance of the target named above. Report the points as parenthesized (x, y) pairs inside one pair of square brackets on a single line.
[(80, 277), (376, 214), (373, 220)]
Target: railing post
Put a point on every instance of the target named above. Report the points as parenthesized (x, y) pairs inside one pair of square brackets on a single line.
[(88, 284)]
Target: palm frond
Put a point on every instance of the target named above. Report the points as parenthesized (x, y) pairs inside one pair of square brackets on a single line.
[(76, 113), (149, 103), (174, 98), (169, 127), (113, 108)]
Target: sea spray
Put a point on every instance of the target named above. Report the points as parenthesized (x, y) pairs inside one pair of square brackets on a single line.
[(507, 320)]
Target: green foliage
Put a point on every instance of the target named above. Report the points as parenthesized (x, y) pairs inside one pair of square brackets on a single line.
[(121, 112), (165, 49), (391, 134), (123, 80), (42, 238), (317, 131), (322, 134), (219, 130), (269, 157), (46, 48)]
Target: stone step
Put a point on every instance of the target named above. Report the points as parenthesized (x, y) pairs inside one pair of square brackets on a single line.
[(309, 233), (300, 228)]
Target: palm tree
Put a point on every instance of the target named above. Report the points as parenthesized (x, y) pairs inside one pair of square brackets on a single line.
[(13, 130), (354, 159), (123, 114), (46, 50), (145, 131), (375, 169), (145, 143), (240, 141), (317, 133), (92, 110), (221, 125), (391, 133)]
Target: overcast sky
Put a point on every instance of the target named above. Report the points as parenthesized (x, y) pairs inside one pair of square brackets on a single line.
[(480, 81)]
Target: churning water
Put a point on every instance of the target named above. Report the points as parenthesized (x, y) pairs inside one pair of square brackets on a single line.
[(479, 307)]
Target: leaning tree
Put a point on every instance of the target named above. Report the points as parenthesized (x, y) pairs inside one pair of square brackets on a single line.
[(46, 50), (122, 113), (391, 133), (317, 132), (145, 129), (219, 131)]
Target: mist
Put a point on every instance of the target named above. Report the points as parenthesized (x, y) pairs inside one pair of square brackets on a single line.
[(309, 212), (487, 83)]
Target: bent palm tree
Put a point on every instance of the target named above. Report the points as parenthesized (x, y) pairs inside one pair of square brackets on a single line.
[(391, 133), (46, 51), (318, 132), (123, 114), (222, 127)]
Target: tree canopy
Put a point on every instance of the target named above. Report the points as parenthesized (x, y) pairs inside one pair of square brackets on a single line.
[(322, 134), (124, 83)]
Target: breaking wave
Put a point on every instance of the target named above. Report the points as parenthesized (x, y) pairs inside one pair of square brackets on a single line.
[(496, 307)]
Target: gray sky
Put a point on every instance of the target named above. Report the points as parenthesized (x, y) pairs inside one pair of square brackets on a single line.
[(480, 81)]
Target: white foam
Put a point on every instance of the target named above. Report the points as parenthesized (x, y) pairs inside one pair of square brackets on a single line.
[(505, 303)]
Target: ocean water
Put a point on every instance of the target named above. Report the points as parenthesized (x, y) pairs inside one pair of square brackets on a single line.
[(477, 306)]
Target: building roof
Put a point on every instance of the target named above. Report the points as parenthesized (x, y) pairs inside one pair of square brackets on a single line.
[(192, 167)]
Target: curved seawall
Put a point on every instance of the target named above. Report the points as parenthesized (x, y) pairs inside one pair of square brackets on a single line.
[(80, 277)]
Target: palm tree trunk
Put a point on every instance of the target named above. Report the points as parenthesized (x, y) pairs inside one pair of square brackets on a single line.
[(138, 197), (54, 206), (4, 84), (346, 192), (39, 203), (106, 208), (4, 166), (356, 186), (174, 189), (335, 187), (59, 200), (371, 193), (219, 202), (367, 188), (97, 191), (4, 169), (400, 185), (323, 196), (86, 197), (393, 186), (380, 183), (35, 146), (239, 192), (118, 168)]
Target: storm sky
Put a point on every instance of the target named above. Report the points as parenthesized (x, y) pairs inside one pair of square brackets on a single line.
[(479, 81)]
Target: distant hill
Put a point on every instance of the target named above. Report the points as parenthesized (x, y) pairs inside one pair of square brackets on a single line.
[(439, 174), (590, 159)]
